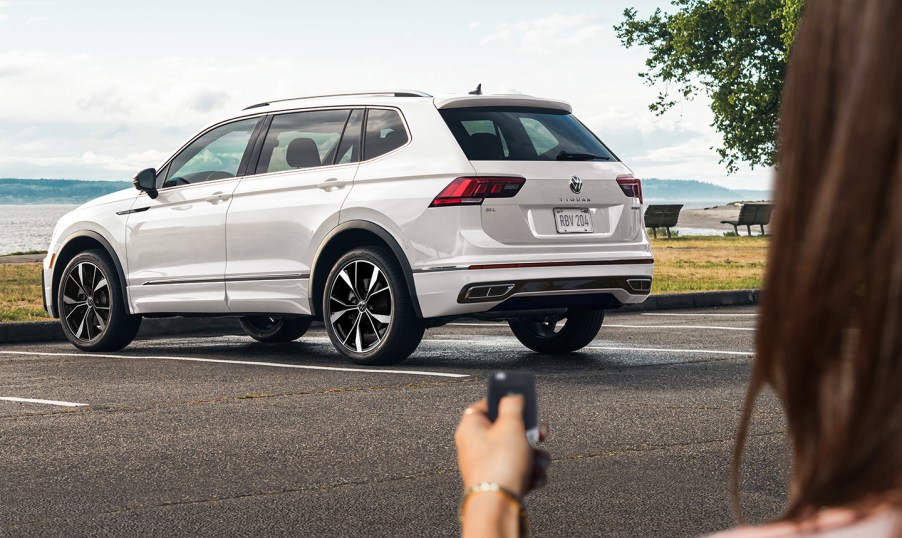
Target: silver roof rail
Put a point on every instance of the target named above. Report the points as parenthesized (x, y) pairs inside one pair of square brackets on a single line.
[(390, 93)]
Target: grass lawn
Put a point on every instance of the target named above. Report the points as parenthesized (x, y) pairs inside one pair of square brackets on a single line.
[(686, 264), (682, 264), (20, 292)]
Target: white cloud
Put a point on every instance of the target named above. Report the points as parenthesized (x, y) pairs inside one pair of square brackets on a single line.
[(542, 35), (473, 25), (108, 102), (3, 17), (17, 62), (128, 163), (694, 149), (201, 97)]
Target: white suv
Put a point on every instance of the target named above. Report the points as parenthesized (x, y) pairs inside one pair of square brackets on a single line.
[(380, 214)]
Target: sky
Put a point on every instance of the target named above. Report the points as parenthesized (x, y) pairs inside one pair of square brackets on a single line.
[(100, 89)]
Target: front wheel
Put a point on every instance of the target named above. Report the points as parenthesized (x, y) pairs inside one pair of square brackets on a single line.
[(558, 335), (368, 310), (274, 329), (93, 315)]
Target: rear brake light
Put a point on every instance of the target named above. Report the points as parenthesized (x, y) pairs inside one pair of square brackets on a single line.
[(473, 190), (631, 186)]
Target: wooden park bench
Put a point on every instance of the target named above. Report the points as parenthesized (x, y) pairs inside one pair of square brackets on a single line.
[(755, 214), (662, 216)]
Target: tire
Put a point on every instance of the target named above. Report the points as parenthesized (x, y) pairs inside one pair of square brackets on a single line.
[(550, 336), (274, 329), (367, 308), (89, 301)]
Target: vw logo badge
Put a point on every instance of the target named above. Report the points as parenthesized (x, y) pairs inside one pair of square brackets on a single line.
[(576, 184)]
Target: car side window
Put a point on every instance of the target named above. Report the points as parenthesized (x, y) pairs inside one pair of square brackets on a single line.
[(384, 132), (216, 154), (302, 140)]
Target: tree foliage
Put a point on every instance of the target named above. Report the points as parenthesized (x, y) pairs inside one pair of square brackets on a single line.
[(733, 50)]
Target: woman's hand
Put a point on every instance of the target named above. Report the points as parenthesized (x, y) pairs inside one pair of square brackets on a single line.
[(499, 452)]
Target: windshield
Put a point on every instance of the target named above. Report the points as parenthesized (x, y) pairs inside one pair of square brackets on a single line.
[(523, 134)]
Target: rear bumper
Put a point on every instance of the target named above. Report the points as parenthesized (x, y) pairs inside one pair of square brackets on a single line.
[(467, 291)]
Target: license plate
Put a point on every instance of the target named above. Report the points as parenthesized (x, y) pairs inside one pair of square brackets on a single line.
[(573, 220)]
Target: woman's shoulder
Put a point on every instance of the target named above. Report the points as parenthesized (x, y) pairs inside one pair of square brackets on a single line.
[(829, 524)]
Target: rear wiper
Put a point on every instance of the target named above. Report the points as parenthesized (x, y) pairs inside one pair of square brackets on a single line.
[(567, 156)]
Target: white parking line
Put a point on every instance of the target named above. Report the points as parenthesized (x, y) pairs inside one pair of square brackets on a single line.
[(700, 315), (48, 402), (704, 351), (244, 363), (679, 327), (614, 348)]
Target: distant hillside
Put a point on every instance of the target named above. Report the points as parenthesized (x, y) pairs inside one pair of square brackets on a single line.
[(673, 190), (55, 191)]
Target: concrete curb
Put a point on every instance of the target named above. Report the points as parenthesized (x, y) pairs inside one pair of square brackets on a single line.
[(48, 331), (704, 299)]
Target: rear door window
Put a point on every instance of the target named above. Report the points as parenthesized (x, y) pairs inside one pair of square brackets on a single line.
[(523, 134), (302, 140)]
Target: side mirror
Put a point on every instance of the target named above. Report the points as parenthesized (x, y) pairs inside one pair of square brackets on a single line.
[(146, 181)]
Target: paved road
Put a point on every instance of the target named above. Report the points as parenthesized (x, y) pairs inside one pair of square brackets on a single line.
[(225, 436)]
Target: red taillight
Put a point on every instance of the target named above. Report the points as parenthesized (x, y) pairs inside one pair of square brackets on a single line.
[(473, 190), (631, 186)]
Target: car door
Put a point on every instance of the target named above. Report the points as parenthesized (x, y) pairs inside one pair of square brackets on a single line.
[(280, 214), (176, 251)]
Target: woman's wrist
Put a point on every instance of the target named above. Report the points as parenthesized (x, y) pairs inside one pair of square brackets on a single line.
[(488, 509)]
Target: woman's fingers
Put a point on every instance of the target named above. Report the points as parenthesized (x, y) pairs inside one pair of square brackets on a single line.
[(510, 413), (475, 419), (482, 406)]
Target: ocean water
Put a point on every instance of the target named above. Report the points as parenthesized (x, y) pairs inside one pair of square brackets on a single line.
[(28, 227)]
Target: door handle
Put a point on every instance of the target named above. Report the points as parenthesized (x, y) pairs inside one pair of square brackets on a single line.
[(217, 197), (332, 184)]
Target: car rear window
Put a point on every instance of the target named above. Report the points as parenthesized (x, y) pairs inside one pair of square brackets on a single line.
[(523, 134)]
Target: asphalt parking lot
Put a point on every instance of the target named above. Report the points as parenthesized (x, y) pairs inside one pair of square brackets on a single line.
[(221, 436)]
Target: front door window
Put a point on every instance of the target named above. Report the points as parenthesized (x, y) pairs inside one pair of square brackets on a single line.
[(217, 154)]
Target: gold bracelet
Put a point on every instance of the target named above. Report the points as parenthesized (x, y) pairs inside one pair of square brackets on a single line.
[(494, 487)]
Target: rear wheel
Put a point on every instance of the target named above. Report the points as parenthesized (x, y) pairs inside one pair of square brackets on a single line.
[(274, 329), (559, 334), (93, 315), (367, 308)]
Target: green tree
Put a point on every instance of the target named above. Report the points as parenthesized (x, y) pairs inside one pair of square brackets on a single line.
[(733, 50)]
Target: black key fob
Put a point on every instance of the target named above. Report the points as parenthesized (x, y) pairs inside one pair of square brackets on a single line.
[(504, 383)]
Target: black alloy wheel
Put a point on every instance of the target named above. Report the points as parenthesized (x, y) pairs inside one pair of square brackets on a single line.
[(90, 305), (367, 308), (557, 335), (272, 329)]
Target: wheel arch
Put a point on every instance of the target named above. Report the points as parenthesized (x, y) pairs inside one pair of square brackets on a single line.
[(72, 247), (344, 237)]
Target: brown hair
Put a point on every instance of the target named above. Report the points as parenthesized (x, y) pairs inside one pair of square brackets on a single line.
[(829, 339)]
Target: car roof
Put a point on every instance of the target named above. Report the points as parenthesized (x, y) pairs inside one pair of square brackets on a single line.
[(399, 97)]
